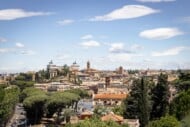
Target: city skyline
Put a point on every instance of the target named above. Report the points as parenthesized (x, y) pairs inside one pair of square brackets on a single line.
[(135, 34)]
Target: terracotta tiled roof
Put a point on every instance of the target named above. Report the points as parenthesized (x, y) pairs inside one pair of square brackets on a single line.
[(87, 113), (113, 117), (110, 96)]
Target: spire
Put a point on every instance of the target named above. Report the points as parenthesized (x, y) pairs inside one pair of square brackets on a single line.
[(51, 62), (88, 65)]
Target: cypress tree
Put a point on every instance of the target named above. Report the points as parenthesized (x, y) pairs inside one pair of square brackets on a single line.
[(137, 105), (160, 97)]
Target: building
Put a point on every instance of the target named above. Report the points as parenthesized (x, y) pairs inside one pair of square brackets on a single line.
[(113, 117), (90, 71), (53, 69), (132, 122), (109, 99), (74, 67)]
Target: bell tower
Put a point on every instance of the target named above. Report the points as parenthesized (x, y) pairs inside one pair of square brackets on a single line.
[(88, 65)]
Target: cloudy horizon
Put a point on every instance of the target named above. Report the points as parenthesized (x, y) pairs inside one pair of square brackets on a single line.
[(135, 34)]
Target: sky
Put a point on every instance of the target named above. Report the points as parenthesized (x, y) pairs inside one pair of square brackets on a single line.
[(135, 34)]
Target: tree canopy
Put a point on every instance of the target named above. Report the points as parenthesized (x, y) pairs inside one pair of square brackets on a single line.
[(167, 121), (9, 98), (95, 122), (180, 106), (34, 100)]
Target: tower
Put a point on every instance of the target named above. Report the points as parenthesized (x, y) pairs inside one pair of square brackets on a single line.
[(88, 65), (120, 70), (107, 81)]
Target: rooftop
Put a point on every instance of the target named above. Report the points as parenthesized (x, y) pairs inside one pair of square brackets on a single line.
[(110, 96)]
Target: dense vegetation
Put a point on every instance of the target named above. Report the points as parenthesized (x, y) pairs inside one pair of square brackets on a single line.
[(167, 121), (160, 98), (137, 104), (9, 96), (23, 81), (95, 122), (39, 103)]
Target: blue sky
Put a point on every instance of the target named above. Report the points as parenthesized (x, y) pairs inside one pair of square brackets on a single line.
[(135, 34)]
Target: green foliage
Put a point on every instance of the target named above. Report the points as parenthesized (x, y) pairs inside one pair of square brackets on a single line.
[(119, 110), (160, 97), (101, 110), (41, 76), (180, 106), (66, 70), (34, 100), (23, 80), (24, 77), (133, 71), (167, 121), (60, 100), (95, 122), (2, 94), (7, 103), (137, 104), (185, 122), (183, 83), (82, 93)]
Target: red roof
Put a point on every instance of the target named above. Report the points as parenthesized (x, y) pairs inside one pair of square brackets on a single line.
[(113, 117), (110, 96)]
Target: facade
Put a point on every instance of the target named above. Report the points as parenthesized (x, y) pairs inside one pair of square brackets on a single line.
[(53, 69), (108, 99), (74, 67)]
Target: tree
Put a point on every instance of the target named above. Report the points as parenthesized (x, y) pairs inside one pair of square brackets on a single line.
[(119, 110), (23, 81), (41, 75), (167, 121), (33, 102), (185, 121), (143, 103), (180, 106), (9, 98), (160, 98), (137, 105), (59, 101), (95, 122), (67, 114), (66, 70), (183, 83), (101, 110)]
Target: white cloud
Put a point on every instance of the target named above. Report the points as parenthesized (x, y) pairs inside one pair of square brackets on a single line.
[(126, 12), (186, 19), (62, 56), (91, 43), (4, 50), (65, 22), (86, 37), (155, 1), (120, 48), (28, 52), (122, 57), (136, 47), (19, 45), (3, 39), (160, 33), (116, 47), (12, 14), (170, 52)]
